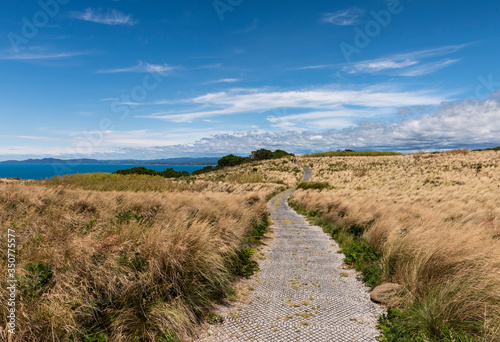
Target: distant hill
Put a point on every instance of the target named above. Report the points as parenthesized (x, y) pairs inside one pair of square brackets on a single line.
[(168, 161)]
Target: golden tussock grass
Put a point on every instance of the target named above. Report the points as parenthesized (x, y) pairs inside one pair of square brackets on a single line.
[(436, 219), (278, 171), (143, 183), (142, 260)]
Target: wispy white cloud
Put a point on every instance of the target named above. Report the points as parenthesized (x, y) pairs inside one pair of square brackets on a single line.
[(345, 17), (309, 67), (339, 118), (29, 137), (140, 137), (109, 17), (435, 52), (207, 67), (38, 53), (377, 65), (31, 56), (428, 68), (413, 63), (21, 152), (152, 103), (142, 67), (137, 138), (224, 80), (392, 62), (244, 101)]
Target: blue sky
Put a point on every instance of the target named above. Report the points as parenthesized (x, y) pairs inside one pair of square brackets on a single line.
[(157, 79)]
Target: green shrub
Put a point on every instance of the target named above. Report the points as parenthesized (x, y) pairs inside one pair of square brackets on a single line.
[(264, 154), (489, 149), (169, 337), (206, 169), (141, 170), (36, 280), (241, 265), (232, 160), (412, 325)]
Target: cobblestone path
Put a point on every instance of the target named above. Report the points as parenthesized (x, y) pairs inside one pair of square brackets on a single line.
[(302, 292)]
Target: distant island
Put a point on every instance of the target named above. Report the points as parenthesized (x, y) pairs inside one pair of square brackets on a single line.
[(168, 161)]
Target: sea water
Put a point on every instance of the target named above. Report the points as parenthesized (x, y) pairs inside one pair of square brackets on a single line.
[(42, 171)]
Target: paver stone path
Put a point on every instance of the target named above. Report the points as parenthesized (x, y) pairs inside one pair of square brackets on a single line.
[(302, 292)]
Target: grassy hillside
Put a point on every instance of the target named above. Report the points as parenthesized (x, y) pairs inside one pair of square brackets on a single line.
[(435, 221), (351, 153), (108, 257)]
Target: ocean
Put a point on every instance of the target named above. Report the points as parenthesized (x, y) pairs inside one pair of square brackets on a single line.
[(42, 171)]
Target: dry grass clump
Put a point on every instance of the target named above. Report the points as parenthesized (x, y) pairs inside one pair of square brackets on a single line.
[(350, 153), (101, 181), (115, 182), (436, 219), (9, 180), (131, 266), (280, 171), (463, 151)]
